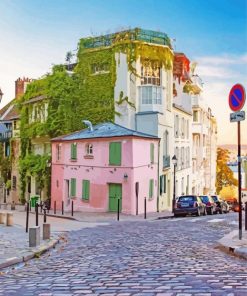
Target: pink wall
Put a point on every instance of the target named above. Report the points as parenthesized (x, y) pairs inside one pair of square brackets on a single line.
[(135, 163)]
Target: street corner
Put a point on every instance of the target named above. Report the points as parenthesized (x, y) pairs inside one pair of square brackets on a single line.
[(231, 244)]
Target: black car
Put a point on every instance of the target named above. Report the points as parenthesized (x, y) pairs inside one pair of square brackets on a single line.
[(189, 204), (210, 204), (221, 205)]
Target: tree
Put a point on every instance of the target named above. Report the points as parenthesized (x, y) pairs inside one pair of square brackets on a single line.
[(69, 56), (228, 192), (224, 175)]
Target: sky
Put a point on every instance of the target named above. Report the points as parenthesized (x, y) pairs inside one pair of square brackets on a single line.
[(35, 34)]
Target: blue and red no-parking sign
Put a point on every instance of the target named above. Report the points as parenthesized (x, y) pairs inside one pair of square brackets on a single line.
[(237, 97)]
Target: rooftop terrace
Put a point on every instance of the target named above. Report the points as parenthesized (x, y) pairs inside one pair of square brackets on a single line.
[(136, 34)]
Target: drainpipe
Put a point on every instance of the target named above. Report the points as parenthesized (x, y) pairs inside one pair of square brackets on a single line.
[(158, 181)]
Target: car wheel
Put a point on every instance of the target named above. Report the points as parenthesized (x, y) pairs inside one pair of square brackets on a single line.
[(220, 211), (211, 212)]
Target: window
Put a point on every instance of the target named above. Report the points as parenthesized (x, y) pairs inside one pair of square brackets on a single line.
[(89, 149), (152, 152), (182, 158), (100, 68), (195, 116), (188, 130), (162, 184), (151, 188), (115, 151), (176, 126), (73, 151), (168, 90), (151, 95), (14, 124), (14, 183), (58, 151), (182, 127), (166, 143), (150, 73), (85, 189), (72, 187)]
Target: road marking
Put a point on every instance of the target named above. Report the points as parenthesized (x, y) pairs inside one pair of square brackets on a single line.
[(216, 220)]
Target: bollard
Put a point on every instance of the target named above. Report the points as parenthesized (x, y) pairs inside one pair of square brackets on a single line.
[(118, 208), (46, 231), (72, 208), (145, 208), (2, 218), (55, 204), (44, 215), (9, 220), (37, 214), (34, 236), (246, 216), (62, 207), (27, 216), (30, 206)]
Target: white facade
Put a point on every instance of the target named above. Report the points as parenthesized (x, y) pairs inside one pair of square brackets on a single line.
[(204, 133), (152, 114)]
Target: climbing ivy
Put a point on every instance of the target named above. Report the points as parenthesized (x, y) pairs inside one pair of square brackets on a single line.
[(87, 93)]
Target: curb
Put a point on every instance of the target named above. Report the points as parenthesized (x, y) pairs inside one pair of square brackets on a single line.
[(30, 255), (165, 217), (227, 245), (56, 216)]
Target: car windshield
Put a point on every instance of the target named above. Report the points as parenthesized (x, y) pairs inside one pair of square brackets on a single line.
[(204, 198), (215, 198), (187, 198)]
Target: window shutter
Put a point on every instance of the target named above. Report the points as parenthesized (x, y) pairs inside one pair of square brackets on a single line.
[(73, 151), (151, 187), (73, 187), (115, 153), (161, 185), (152, 152), (85, 189)]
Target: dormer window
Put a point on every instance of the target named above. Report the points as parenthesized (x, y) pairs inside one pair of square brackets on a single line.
[(89, 149)]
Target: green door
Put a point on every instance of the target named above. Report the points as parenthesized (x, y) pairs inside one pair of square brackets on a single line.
[(115, 192)]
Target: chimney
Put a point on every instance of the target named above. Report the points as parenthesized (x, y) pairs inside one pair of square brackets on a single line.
[(20, 86)]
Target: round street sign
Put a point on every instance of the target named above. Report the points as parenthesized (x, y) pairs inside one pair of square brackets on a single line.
[(237, 97)]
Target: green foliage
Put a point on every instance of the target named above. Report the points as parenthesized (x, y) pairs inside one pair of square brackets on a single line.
[(224, 175), (5, 165), (124, 99)]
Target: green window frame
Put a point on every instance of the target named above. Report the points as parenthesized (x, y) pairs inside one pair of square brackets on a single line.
[(85, 189), (72, 187), (152, 152), (151, 188), (115, 153), (73, 151)]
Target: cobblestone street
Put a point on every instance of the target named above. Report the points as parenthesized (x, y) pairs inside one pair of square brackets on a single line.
[(165, 258)]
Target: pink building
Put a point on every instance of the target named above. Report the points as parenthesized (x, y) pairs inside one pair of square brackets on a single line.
[(97, 166)]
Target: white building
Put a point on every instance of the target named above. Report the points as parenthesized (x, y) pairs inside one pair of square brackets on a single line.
[(151, 93), (204, 133)]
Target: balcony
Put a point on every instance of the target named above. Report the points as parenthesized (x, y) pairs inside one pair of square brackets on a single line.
[(150, 98), (166, 161), (5, 136)]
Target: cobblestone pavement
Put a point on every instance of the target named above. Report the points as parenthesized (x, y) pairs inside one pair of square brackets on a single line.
[(164, 258)]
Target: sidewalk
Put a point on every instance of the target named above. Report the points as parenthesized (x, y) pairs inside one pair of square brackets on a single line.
[(231, 243), (106, 217)]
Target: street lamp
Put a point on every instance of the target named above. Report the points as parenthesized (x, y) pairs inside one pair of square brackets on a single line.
[(174, 161)]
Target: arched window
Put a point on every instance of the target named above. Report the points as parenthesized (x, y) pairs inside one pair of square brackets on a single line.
[(89, 149)]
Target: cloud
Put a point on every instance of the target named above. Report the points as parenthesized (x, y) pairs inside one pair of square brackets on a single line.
[(219, 74)]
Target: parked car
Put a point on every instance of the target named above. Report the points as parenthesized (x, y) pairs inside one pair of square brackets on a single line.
[(189, 204), (221, 205), (211, 206)]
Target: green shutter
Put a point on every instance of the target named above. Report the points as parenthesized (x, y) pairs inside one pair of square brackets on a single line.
[(152, 152), (72, 187), (151, 188), (115, 153), (161, 185), (73, 151), (85, 189)]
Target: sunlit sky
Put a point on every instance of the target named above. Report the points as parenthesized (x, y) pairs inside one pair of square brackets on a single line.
[(34, 34)]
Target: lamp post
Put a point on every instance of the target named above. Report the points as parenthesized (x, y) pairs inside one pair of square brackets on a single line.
[(174, 161)]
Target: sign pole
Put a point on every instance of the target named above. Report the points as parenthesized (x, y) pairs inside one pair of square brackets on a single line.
[(239, 184)]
